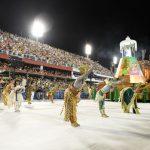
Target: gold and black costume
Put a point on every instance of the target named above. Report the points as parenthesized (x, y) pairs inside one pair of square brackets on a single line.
[(71, 97), (29, 93), (6, 92), (51, 93)]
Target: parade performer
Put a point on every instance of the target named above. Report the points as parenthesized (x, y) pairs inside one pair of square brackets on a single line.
[(128, 98), (90, 92), (145, 91), (15, 98), (52, 92), (93, 92), (29, 89), (6, 91), (72, 96), (1, 87), (100, 95)]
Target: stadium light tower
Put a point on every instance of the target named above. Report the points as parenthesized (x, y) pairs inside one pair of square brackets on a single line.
[(37, 29), (88, 50), (115, 61)]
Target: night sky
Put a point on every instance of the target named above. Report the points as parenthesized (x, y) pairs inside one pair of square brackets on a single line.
[(73, 23)]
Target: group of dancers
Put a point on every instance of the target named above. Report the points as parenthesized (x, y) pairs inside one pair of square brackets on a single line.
[(12, 95), (72, 96), (13, 90)]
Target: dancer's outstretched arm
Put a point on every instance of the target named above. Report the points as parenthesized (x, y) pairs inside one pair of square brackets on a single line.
[(78, 81)]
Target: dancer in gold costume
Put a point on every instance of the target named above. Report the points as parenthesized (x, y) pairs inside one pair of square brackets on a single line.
[(30, 88), (7, 91), (72, 96), (52, 92), (2, 82)]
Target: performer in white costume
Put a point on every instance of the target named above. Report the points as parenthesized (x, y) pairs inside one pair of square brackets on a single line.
[(15, 98)]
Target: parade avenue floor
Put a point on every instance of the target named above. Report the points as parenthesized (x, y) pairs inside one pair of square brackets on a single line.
[(41, 127)]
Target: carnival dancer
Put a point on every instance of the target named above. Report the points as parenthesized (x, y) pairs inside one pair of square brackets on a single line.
[(15, 98), (6, 91), (100, 95), (29, 89), (72, 94), (128, 98), (1, 87), (52, 92), (90, 92)]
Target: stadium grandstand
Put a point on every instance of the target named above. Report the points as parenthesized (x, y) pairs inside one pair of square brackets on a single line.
[(39, 54), (23, 57)]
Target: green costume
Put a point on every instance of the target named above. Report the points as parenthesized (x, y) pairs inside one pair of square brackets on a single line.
[(145, 95), (128, 98), (116, 94), (112, 95), (100, 96), (93, 93)]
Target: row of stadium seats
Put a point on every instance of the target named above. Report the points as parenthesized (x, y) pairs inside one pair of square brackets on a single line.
[(14, 45)]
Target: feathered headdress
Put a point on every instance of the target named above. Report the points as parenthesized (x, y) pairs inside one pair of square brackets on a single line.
[(83, 68)]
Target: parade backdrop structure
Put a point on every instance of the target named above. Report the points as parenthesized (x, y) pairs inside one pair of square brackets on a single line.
[(129, 69), (128, 66)]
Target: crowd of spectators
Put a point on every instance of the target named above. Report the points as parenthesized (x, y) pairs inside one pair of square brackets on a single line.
[(26, 48), (145, 62), (41, 86), (36, 70)]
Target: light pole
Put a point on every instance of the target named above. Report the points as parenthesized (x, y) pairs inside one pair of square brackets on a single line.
[(37, 29), (115, 61), (88, 50)]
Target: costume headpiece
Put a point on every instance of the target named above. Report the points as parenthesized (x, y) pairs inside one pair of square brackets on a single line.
[(83, 68)]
